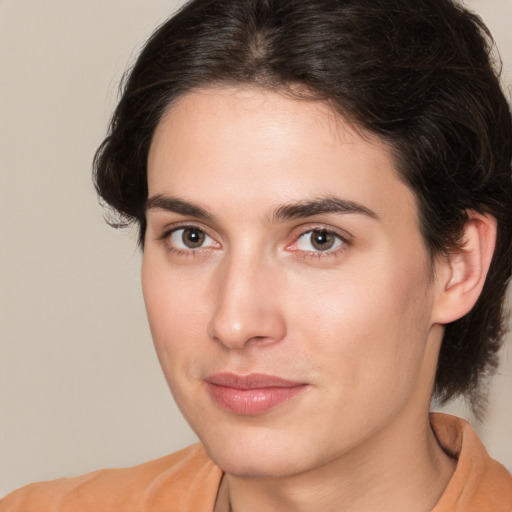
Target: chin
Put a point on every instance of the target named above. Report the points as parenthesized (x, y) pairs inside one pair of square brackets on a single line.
[(259, 455), (255, 465)]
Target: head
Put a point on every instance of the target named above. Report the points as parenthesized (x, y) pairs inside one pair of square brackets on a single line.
[(415, 80)]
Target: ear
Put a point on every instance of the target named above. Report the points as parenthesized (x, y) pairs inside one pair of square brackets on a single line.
[(461, 276)]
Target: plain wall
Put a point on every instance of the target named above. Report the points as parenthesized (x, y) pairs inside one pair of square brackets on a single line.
[(80, 386)]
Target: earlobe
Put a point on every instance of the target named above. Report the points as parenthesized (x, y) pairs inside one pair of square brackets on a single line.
[(464, 271)]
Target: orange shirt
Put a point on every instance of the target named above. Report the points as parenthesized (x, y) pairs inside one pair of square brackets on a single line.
[(479, 484), (188, 481)]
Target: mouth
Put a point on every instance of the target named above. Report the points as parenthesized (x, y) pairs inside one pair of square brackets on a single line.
[(250, 395)]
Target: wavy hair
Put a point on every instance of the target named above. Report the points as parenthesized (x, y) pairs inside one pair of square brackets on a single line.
[(420, 75)]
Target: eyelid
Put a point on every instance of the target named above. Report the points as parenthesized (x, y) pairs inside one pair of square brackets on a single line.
[(302, 230), (167, 230), (319, 226)]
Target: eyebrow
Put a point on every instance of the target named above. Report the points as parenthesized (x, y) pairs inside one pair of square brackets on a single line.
[(176, 205), (299, 209), (321, 206)]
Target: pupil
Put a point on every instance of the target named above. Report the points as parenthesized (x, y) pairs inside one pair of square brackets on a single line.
[(322, 240), (193, 238)]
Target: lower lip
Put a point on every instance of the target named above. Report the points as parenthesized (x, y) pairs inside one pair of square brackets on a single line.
[(250, 402)]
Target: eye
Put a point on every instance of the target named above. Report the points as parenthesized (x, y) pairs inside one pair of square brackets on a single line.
[(319, 240), (190, 237)]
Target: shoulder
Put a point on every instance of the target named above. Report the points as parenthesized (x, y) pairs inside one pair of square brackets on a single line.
[(185, 480), (491, 482), (479, 484)]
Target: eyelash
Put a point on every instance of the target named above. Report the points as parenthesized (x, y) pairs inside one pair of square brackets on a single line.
[(165, 238), (343, 239)]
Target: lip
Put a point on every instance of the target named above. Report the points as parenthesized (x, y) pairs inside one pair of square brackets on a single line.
[(252, 394)]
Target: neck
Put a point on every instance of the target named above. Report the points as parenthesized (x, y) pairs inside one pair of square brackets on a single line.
[(401, 468)]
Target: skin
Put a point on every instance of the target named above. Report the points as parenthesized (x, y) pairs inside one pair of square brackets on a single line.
[(358, 324)]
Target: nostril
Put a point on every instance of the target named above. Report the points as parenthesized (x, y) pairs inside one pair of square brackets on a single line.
[(259, 339)]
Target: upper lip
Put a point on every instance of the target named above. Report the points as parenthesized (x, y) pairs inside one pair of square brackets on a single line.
[(251, 381)]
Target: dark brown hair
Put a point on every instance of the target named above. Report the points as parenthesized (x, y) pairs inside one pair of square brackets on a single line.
[(418, 74)]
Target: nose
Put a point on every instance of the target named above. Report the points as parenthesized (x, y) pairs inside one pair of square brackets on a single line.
[(247, 309)]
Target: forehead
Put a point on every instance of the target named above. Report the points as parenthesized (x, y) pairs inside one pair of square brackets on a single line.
[(218, 145)]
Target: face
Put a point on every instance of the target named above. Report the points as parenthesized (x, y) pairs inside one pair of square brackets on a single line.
[(287, 285)]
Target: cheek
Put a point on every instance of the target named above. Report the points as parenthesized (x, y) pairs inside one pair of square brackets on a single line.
[(175, 323), (176, 312), (368, 332)]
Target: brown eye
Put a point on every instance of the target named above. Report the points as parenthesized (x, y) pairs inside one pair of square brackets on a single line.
[(189, 238), (322, 240), (319, 240), (193, 238)]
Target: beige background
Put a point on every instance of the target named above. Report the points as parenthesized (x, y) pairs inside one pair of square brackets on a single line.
[(80, 387)]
